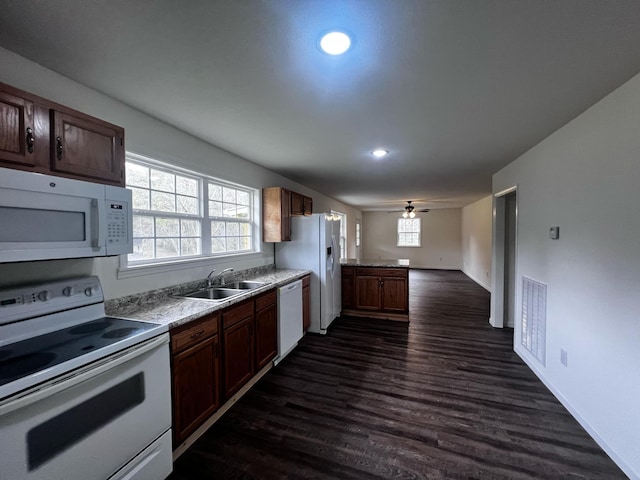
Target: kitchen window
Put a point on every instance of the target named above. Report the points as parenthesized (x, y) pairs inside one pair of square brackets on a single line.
[(409, 232), (179, 214)]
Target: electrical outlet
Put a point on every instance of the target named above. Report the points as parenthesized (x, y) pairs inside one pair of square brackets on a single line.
[(564, 357), (554, 233)]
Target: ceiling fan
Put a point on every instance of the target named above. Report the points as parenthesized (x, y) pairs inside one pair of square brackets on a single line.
[(409, 210)]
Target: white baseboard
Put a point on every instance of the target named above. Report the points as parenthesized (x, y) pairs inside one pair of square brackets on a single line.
[(478, 281)]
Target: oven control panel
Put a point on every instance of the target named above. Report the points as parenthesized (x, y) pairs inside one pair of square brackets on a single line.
[(45, 298)]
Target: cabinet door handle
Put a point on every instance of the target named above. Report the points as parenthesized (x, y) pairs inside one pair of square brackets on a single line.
[(30, 139), (197, 334), (59, 147)]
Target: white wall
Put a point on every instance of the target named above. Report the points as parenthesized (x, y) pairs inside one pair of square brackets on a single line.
[(441, 239), (476, 241), (584, 178), (150, 137)]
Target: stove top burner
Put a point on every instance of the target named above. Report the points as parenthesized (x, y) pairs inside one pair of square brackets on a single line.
[(30, 356), (25, 364)]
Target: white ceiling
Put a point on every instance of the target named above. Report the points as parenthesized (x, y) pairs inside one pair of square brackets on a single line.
[(455, 89)]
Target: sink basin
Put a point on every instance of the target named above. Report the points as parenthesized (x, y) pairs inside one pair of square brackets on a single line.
[(244, 285), (215, 293)]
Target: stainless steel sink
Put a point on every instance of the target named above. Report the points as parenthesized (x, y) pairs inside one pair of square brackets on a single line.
[(215, 293), (244, 285)]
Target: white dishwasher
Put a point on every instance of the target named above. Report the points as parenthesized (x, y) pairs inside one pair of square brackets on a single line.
[(290, 328)]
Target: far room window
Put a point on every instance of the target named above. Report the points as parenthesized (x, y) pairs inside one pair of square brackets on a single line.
[(358, 227), (409, 232), (343, 232)]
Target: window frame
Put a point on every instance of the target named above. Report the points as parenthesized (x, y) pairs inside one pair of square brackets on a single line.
[(128, 266), (399, 232)]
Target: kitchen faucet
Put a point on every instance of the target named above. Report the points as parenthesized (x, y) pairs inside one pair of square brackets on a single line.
[(211, 280)]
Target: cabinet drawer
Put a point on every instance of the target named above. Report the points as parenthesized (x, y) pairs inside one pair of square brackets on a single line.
[(194, 332), (347, 271), (237, 313), (266, 299), (382, 272)]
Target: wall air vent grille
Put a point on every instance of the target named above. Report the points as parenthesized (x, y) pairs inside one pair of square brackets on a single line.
[(534, 317)]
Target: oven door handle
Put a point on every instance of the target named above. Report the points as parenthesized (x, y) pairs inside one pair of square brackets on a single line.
[(80, 375)]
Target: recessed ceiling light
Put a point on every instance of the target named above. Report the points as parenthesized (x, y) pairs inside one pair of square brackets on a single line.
[(335, 43), (379, 152)]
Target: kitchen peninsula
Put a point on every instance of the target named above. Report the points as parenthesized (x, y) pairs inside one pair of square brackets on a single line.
[(375, 288)]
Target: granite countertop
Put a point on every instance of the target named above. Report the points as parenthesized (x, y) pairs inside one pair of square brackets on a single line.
[(364, 262), (162, 307)]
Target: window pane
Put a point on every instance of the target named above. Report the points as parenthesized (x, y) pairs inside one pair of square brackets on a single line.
[(233, 229), (215, 192), (142, 249), (215, 209), (243, 212), (217, 245), (190, 246), (245, 243), (243, 198), (137, 175), (217, 229), (245, 229), (228, 210), (233, 244), (140, 199), (163, 181), (142, 226), (190, 228), (167, 227), (167, 247), (187, 205), (163, 202), (187, 186), (228, 195)]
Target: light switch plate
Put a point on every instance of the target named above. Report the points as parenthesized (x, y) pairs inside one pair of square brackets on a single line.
[(554, 233)]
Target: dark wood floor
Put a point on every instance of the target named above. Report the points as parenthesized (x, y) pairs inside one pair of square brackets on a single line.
[(442, 397)]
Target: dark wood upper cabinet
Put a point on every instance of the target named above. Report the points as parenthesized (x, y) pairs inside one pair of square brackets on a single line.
[(278, 206), (17, 130), (42, 136), (276, 214), (86, 147), (301, 204)]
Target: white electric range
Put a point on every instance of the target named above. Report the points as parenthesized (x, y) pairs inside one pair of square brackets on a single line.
[(82, 395)]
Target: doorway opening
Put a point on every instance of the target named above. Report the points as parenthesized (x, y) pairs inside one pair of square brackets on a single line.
[(504, 291)]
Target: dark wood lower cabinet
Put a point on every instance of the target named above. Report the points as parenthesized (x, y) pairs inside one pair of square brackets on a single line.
[(237, 346), (306, 302), (376, 292), (195, 375), (266, 328)]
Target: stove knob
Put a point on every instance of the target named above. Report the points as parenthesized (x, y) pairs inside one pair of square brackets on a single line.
[(67, 291), (43, 295), (88, 291)]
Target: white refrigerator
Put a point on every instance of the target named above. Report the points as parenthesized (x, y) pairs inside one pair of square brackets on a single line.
[(315, 246)]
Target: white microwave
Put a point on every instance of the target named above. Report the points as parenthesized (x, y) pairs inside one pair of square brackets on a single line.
[(44, 217)]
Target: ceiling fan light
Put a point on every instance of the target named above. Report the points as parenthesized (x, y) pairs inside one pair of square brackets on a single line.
[(412, 214), (405, 215)]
